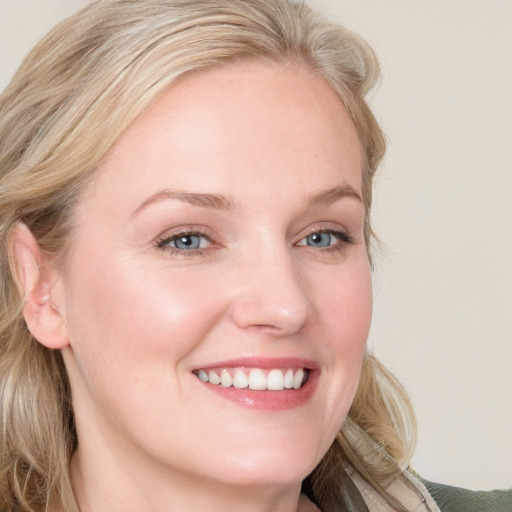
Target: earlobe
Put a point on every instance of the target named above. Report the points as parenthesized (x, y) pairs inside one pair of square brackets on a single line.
[(38, 284)]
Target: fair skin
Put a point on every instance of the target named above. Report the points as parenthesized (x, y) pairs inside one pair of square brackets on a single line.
[(223, 232)]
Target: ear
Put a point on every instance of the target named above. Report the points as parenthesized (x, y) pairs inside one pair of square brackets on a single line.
[(41, 288)]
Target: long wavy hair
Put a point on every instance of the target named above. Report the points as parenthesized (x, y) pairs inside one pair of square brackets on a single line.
[(69, 102)]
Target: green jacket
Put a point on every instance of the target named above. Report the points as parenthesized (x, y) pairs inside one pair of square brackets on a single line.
[(455, 499), (419, 495)]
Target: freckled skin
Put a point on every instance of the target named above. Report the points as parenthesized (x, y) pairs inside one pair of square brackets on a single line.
[(141, 316)]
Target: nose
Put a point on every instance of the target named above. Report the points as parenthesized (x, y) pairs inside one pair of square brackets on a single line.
[(272, 295)]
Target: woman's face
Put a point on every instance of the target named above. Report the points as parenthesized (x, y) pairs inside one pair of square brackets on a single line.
[(221, 239)]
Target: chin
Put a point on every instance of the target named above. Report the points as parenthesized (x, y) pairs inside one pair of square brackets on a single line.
[(269, 466)]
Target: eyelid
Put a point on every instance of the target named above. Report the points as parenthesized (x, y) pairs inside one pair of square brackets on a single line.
[(192, 230), (180, 236), (161, 241), (343, 234)]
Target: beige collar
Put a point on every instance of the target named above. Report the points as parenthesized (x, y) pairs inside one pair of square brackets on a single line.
[(407, 489)]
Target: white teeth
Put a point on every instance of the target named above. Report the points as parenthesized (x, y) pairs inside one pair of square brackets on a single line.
[(213, 378), (275, 380), (298, 378), (240, 380), (288, 379), (226, 380), (255, 378)]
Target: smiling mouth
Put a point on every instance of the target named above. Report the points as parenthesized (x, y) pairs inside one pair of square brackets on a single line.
[(255, 379)]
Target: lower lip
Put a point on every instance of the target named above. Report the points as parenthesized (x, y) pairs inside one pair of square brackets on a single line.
[(268, 400)]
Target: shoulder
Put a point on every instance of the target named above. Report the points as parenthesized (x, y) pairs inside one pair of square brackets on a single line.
[(419, 495), (456, 499)]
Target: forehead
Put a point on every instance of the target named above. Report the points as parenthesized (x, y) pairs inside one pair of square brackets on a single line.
[(252, 119)]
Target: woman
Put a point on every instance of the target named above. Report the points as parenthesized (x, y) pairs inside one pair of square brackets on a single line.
[(185, 235)]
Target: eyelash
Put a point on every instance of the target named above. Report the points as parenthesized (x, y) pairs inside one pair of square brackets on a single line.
[(162, 243), (343, 238)]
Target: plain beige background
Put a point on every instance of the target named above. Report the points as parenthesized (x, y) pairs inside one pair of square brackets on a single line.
[(443, 208)]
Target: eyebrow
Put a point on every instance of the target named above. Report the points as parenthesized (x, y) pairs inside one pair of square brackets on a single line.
[(331, 195), (223, 202), (214, 201)]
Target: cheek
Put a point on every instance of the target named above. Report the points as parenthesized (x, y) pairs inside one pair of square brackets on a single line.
[(346, 317), (126, 317), (354, 320), (346, 308)]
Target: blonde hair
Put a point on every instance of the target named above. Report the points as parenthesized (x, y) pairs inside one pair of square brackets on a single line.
[(71, 99)]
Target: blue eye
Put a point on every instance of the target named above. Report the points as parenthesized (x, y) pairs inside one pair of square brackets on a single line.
[(326, 239), (321, 239), (185, 242)]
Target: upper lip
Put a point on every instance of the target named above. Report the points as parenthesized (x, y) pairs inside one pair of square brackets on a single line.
[(262, 362)]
